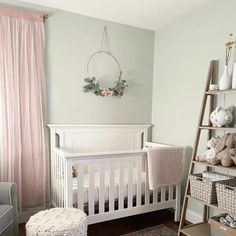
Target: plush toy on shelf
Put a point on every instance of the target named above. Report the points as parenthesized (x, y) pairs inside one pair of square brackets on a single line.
[(221, 150), (210, 155), (226, 149)]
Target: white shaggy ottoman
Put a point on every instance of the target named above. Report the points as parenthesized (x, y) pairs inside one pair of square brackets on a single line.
[(57, 222)]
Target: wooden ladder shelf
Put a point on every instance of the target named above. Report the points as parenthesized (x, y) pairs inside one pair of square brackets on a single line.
[(203, 228)]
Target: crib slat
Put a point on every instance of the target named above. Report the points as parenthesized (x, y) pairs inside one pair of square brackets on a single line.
[(139, 141), (68, 183), (163, 194), (177, 198), (91, 189), (147, 193), (101, 187), (63, 185), (145, 138), (139, 183), (155, 195), (53, 175), (80, 186), (130, 184), (58, 185), (178, 193), (121, 185), (111, 187), (170, 195), (57, 176), (60, 181)]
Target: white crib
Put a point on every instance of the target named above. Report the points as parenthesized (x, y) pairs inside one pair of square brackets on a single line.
[(110, 162)]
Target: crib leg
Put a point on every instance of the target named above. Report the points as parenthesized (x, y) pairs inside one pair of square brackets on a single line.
[(178, 201)]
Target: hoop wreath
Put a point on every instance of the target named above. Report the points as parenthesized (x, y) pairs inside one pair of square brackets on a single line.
[(93, 85)]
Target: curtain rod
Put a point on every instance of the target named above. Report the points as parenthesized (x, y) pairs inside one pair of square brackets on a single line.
[(9, 10), (45, 17)]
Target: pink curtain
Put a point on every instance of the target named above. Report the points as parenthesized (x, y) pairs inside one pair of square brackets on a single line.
[(23, 131)]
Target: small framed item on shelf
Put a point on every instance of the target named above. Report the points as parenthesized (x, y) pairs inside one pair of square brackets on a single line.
[(220, 226)]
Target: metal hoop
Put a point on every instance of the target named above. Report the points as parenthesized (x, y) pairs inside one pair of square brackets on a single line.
[(111, 55)]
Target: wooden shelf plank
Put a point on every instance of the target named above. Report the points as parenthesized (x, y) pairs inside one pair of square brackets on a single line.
[(210, 205), (218, 92), (207, 127), (219, 167), (197, 230)]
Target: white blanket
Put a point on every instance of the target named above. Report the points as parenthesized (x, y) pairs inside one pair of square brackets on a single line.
[(165, 166)]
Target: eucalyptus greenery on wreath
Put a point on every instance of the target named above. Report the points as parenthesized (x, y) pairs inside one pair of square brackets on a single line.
[(92, 83)]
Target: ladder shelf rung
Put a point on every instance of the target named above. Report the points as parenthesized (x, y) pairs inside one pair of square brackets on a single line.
[(202, 229), (208, 127), (219, 167), (218, 92)]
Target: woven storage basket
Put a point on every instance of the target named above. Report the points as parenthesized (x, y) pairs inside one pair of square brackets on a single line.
[(203, 188), (226, 195)]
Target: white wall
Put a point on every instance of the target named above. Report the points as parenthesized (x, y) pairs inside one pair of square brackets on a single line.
[(183, 50), (71, 39)]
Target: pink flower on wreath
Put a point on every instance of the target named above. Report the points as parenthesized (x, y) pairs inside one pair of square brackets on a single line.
[(110, 92), (107, 92)]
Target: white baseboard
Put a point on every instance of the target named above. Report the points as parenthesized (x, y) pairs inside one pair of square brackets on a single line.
[(193, 216)]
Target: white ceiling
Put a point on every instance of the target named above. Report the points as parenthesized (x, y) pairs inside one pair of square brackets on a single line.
[(148, 14)]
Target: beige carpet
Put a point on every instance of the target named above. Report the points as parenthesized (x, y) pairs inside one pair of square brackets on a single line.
[(159, 230)]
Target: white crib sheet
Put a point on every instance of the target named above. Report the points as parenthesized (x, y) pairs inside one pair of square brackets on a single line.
[(106, 190)]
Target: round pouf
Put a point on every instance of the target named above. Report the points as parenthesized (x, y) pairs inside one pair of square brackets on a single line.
[(57, 222)]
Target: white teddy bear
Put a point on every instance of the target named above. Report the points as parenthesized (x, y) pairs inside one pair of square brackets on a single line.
[(210, 154)]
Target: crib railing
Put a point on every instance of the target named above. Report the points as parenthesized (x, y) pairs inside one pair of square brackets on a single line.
[(107, 167), (58, 164)]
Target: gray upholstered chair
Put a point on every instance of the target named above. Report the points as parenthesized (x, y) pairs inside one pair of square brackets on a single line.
[(8, 210)]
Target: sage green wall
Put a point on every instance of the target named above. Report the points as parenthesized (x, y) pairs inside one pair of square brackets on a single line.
[(183, 50), (71, 39)]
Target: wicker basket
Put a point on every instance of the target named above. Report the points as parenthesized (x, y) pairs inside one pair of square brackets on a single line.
[(226, 195), (203, 188)]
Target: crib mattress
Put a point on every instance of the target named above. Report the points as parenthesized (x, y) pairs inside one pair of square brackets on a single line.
[(106, 189)]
